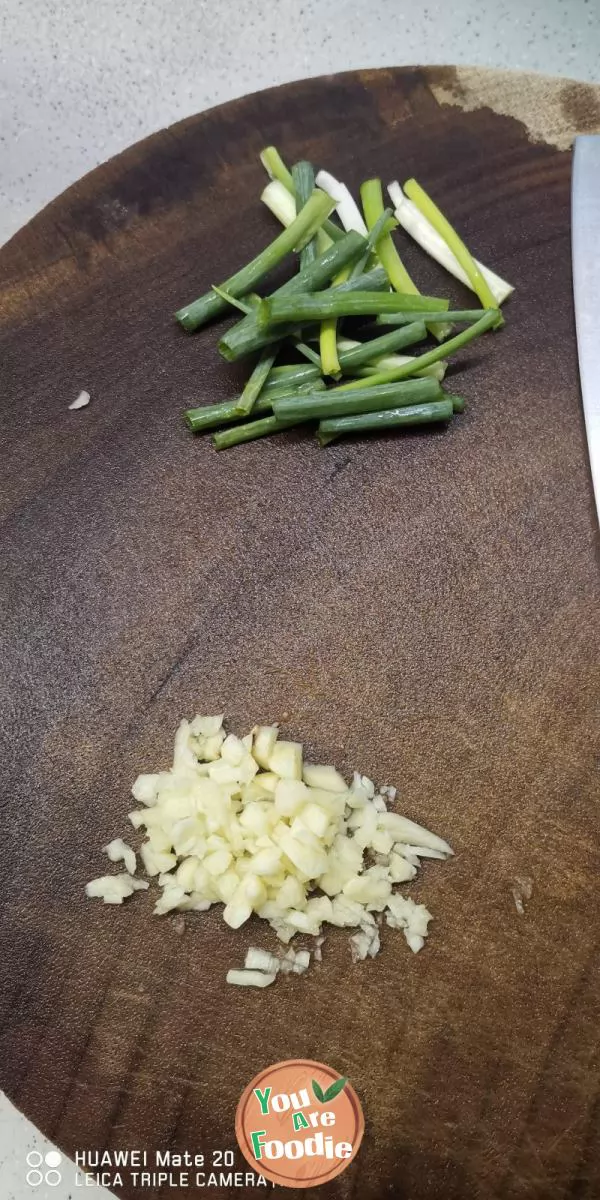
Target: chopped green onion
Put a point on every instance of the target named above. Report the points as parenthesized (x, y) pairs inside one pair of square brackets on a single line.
[(419, 228), (209, 416), (371, 194), (280, 309), (380, 228), (231, 300), (372, 201), (192, 316), (366, 352), (432, 356), (303, 178), (293, 389), (391, 361), (247, 433), (325, 267), (330, 364), (369, 281), (426, 206), (277, 170), (328, 336), (419, 414), (331, 230), (309, 353), (285, 369), (255, 383), (338, 277), (458, 315), (246, 336), (334, 403), (293, 374), (384, 225), (328, 347)]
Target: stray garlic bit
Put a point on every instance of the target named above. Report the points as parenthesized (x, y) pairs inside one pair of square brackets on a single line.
[(114, 889), (522, 890), (118, 851), (82, 401), (318, 950), (250, 978)]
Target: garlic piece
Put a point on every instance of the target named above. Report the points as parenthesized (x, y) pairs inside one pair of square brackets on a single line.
[(241, 822), (118, 851), (114, 889), (250, 978)]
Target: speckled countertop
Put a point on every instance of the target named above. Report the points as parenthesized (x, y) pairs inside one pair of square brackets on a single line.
[(80, 81)]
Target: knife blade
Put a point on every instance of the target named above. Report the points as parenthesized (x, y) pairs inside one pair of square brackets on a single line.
[(585, 242)]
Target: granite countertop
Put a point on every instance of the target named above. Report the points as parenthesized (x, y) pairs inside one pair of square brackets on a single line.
[(80, 81)]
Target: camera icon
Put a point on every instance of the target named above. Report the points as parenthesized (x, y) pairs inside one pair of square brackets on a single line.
[(37, 1175)]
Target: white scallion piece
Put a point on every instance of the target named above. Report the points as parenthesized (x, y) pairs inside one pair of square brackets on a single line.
[(280, 202), (346, 206), (430, 240)]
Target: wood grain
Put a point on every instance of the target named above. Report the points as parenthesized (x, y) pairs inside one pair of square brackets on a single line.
[(425, 608)]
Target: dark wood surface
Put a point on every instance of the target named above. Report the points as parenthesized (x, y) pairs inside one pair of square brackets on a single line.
[(424, 608)]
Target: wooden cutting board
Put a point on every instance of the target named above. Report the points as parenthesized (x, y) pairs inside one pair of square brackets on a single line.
[(424, 608)]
